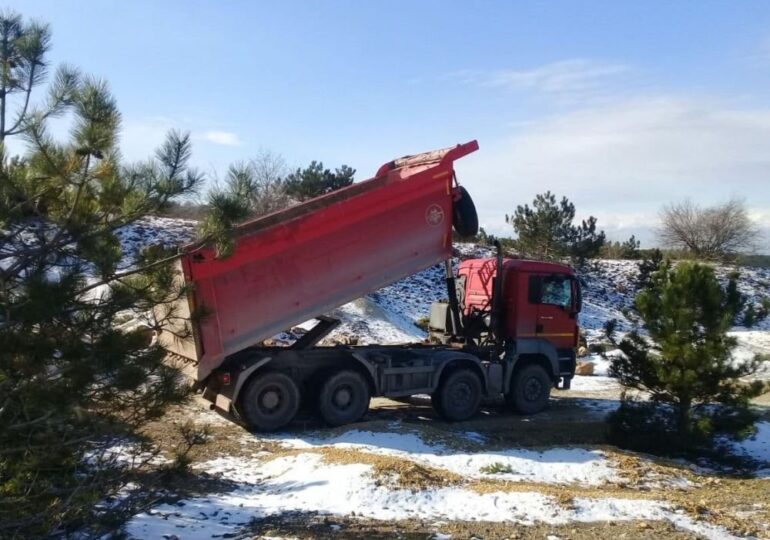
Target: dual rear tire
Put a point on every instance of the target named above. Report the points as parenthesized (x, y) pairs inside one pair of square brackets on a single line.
[(271, 400), (344, 398)]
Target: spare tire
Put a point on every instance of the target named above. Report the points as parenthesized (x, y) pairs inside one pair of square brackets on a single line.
[(464, 216)]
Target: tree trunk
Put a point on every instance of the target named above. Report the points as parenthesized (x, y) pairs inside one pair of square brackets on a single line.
[(684, 420)]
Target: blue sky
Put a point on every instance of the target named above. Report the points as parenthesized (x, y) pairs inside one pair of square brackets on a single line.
[(621, 106)]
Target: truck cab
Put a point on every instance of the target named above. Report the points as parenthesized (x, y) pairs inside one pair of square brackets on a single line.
[(527, 320), (540, 300)]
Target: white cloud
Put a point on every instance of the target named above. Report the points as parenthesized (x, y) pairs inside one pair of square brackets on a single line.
[(566, 79), (622, 162), (225, 138), (140, 137)]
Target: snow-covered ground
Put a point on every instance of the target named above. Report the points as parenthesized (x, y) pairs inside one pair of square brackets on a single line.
[(610, 287), (556, 465), (370, 323), (306, 482), (154, 231)]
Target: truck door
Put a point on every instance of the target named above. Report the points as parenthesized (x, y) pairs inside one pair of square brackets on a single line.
[(556, 317)]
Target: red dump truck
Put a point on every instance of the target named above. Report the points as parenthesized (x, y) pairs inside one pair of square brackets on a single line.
[(509, 327)]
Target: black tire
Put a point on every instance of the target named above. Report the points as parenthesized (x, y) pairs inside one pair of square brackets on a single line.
[(269, 401), (459, 396), (464, 215), (344, 398), (530, 389)]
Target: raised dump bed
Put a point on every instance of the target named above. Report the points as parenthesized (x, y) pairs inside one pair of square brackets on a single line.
[(295, 264)]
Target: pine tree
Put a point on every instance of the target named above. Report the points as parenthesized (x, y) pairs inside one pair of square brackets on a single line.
[(545, 230), (647, 267), (23, 51), (315, 180), (685, 364), (586, 242), (71, 381), (630, 248)]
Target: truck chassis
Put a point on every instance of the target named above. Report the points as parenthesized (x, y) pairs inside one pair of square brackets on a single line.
[(265, 386)]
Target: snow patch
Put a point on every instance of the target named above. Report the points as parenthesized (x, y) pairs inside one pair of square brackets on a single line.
[(556, 465), (369, 323), (303, 483), (594, 383)]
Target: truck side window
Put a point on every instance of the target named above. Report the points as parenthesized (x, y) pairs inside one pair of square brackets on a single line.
[(535, 289), (553, 290)]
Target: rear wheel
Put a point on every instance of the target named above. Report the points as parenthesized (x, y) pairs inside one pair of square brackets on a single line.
[(459, 396), (530, 389), (344, 398), (269, 401)]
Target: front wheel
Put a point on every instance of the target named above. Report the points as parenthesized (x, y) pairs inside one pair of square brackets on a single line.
[(344, 398), (530, 389), (269, 401), (459, 396)]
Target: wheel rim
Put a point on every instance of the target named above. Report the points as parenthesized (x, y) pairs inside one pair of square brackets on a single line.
[(533, 389), (460, 394), (270, 400), (342, 398)]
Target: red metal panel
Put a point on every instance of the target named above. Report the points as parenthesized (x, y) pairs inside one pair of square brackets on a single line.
[(521, 317), (479, 275), (301, 262)]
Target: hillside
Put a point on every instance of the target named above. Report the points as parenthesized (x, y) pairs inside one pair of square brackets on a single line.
[(389, 314), (403, 472)]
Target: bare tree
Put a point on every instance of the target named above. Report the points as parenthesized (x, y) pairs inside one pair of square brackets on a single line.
[(715, 232), (270, 171), (260, 182)]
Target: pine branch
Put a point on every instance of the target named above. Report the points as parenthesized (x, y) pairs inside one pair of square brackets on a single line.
[(22, 115), (139, 270)]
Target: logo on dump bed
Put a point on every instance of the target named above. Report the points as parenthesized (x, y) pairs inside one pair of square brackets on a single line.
[(434, 215)]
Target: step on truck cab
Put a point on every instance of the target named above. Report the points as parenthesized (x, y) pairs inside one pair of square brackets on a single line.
[(511, 337)]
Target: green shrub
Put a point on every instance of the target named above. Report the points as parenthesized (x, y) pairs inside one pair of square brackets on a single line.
[(496, 468), (685, 364)]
